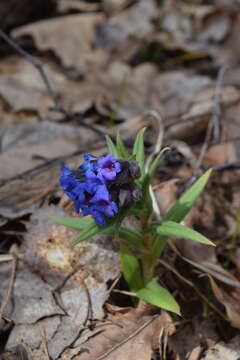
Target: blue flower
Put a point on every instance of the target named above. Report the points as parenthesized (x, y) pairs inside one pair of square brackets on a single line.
[(88, 186), (108, 167), (93, 181), (73, 188), (90, 163), (102, 205)]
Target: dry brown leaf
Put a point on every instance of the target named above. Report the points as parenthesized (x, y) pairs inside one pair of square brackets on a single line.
[(48, 261), (77, 5), (114, 6), (231, 303), (48, 251), (221, 154), (195, 353), (192, 336), (71, 37), (127, 337), (136, 21), (22, 87), (27, 146), (166, 194), (222, 351), (195, 120)]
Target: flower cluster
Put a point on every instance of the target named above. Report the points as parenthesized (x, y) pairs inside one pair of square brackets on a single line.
[(87, 186), (100, 186)]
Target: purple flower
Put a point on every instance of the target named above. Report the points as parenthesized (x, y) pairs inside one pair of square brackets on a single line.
[(73, 188), (102, 205), (100, 186), (93, 181), (90, 163), (108, 166)]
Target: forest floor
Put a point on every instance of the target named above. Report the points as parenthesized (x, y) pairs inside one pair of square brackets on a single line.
[(71, 72)]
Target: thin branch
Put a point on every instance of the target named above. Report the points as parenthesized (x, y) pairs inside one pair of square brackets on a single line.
[(231, 166), (44, 339), (28, 174), (214, 124), (10, 286)]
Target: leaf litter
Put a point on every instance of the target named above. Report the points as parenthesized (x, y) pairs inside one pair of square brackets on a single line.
[(110, 64)]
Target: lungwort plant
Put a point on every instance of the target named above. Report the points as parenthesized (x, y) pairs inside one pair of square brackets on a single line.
[(114, 187)]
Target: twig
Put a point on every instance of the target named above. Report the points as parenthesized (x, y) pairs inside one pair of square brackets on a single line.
[(207, 269), (44, 167), (215, 122), (231, 166), (44, 339), (217, 114), (10, 286), (113, 285), (52, 94)]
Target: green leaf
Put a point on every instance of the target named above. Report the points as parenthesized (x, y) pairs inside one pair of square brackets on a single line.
[(138, 149), (183, 205), (122, 151), (155, 294), (133, 237), (91, 230), (131, 268), (159, 243), (111, 147), (170, 228), (153, 167), (71, 222)]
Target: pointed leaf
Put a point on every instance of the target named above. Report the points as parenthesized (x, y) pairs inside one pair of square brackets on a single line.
[(170, 228), (138, 149), (111, 147), (89, 231), (183, 205), (155, 162), (155, 294), (133, 237), (131, 268), (122, 151), (71, 222)]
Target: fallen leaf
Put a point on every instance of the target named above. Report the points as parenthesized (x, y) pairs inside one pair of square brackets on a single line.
[(71, 37), (77, 5), (230, 303), (222, 351), (48, 251), (134, 21), (123, 338)]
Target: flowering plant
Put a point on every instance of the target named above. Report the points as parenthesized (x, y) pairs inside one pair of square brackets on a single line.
[(116, 186)]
